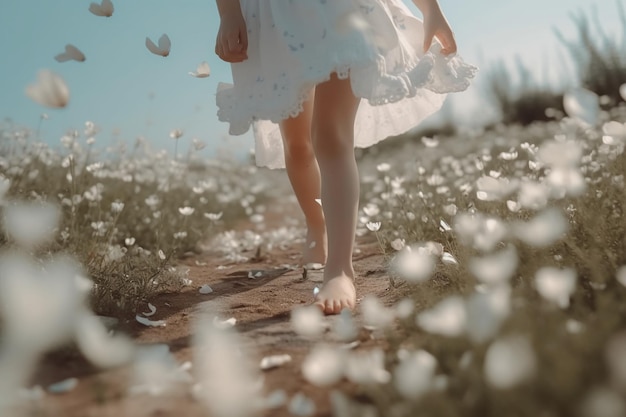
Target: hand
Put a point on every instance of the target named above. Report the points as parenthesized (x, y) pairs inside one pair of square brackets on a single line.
[(231, 44), (436, 25)]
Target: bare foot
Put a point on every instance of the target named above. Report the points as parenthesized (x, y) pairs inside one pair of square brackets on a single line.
[(336, 294), (314, 249)]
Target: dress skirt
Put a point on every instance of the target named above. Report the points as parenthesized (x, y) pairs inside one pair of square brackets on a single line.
[(294, 45)]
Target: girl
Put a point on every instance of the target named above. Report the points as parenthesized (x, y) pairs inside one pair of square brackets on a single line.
[(301, 69)]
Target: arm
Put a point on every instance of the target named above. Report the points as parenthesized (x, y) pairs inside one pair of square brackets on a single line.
[(231, 44), (436, 25)]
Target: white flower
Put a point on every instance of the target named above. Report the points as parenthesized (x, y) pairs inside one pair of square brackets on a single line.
[(71, 53), (129, 241), (543, 230), (164, 46), (31, 224), (375, 314), (176, 133), (186, 211), (324, 365), (622, 91), (202, 71), (161, 255), (117, 206), (50, 90), (497, 268), (213, 216), (414, 374), (104, 9), (198, 145), (582, 104), (398, 244), (384, 167), (509, 362), (430, 142), (373, 226), (307, 321), (556, 285), (414, 263), (447, 318)]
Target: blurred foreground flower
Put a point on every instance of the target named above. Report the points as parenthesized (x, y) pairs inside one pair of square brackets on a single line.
[(415, 263), (583, 105), (71, 53), (31, 224), (556, 285), (228, 381), (50, 90), (509, 362), (414, 374)]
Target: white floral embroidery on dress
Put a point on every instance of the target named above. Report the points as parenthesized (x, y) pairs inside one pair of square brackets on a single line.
[(295, 45)]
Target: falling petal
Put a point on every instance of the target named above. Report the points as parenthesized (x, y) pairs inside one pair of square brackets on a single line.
[(71, 53), (202, 71), (50, 90), (582, 104), (164, 46), (150, 323), (104, 9)]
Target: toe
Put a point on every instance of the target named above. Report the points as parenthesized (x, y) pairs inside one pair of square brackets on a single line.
[(329, 307)]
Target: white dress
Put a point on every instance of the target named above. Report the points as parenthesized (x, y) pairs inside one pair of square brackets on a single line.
[(295, 44)]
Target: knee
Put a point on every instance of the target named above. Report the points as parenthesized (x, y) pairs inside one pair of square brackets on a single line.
[(298, 150), (331, 140)]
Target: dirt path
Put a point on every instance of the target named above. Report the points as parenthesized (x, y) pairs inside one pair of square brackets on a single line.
[(261, 307)]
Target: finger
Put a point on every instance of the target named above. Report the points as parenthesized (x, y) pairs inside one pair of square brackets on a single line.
[(448, 44), (428, 40), (233, 44), (243, 40)]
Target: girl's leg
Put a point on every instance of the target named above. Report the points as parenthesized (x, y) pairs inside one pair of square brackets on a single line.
[(334, 112), (304, 175)]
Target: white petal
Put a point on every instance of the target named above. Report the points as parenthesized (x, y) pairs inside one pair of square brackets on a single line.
[(413, 376), (205, 289), (344, 327), (165, 44), (556, 285), (202, 71), (50, 90), (375, 314), (155, 49), (274, 361), (64, 386), (497, 268), (71, 53), (622, 91), (152, 310), (105, 9), (150, 323)]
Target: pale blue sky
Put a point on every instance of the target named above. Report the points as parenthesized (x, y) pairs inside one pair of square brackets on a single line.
[(127, 91)]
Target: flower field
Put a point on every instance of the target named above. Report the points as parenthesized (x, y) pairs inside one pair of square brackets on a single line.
[(504, 252)]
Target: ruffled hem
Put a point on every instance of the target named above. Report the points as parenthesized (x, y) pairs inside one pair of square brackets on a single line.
[(385, 66)]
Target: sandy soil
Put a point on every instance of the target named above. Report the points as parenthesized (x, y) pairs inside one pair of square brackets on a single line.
[(261, 307)]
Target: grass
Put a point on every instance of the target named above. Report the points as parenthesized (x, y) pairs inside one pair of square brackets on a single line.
[(129, 214)]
